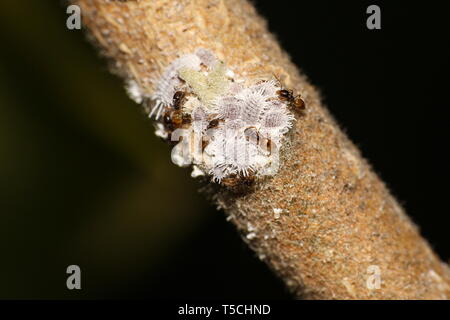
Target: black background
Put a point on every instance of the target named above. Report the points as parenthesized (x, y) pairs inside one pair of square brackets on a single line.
[(387, 88)]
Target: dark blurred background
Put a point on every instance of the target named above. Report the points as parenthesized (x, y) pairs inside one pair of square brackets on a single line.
[(84, 181)]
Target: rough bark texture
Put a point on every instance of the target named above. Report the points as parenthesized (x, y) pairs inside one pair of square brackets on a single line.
[(325, 217)]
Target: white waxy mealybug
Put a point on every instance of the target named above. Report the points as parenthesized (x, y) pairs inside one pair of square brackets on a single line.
[(207, 57), (229, 107)]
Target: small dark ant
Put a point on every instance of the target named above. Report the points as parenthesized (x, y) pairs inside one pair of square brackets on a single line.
[(214, 123), (187, 119), (174, 118), (178, 99), (294, 102), (235, 181)]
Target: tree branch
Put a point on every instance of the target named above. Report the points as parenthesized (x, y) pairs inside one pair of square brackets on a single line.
[(325, 223)]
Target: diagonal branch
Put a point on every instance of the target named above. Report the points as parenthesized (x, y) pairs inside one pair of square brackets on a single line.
[(325, 223)]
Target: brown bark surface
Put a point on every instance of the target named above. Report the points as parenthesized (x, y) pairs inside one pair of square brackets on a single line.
[(326, 217)]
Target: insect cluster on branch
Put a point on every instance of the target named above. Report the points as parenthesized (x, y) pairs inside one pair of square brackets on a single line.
[(226, 129)]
